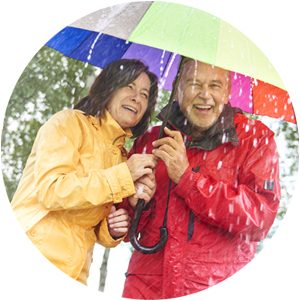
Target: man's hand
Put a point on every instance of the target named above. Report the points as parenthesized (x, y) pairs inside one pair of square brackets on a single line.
[(171, 150), (118, 222), (145, 189)]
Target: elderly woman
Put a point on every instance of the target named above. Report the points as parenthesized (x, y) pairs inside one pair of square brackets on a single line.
[(77, 169)]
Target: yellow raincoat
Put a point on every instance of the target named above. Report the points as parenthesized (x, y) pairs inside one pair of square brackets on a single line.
[(74, 174)]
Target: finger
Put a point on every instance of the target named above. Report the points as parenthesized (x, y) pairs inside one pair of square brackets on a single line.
[(145, 196), (143, 189), (112, 209), (162, 155), (147, 162), (166, 141), (116, 213), (146, 171), (174, 134), (148, 180), (120, 231), (117, 220), (123, 224), (169, 150)]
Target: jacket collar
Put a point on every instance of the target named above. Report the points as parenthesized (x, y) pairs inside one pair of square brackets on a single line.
[(110, 129), (223, 131)]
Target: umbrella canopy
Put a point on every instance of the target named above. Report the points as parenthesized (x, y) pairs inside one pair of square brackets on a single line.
[(158, 33)]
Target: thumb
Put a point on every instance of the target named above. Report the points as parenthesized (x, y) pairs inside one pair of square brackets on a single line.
[(112, 209)]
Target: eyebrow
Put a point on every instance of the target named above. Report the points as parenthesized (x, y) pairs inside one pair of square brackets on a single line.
[(144, 89), (197, 81)]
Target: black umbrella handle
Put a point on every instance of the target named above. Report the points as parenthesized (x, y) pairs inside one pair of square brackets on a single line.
[(141, 203), (134, 228)]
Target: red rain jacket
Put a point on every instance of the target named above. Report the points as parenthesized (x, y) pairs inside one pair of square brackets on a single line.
[(225, 203)]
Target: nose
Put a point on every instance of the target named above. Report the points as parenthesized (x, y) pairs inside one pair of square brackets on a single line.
[(203, 92), (135, 96)]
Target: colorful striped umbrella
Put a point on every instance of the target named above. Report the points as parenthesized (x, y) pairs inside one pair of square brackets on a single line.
[(158, 33)]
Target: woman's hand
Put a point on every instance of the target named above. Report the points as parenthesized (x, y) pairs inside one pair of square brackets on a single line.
[(118, 222), (140, 165), (145, 189)]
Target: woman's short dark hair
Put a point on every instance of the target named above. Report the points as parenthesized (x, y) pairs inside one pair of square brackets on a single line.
[(114, 76)]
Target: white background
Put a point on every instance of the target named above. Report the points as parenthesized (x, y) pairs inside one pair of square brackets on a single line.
[(26, 25)]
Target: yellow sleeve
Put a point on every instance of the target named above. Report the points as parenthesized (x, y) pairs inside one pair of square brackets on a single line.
[(58, 183), (104, 238)]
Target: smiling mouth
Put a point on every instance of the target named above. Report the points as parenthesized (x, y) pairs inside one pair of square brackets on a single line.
[(202, 107), (130, 108)]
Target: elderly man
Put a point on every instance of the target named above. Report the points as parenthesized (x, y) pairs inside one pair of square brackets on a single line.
[(224, 191)]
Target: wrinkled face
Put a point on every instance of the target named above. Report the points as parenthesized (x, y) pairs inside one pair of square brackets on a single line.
[(202, 92), (129, 103)]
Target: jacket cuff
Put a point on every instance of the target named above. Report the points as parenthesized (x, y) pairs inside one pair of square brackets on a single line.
[(120, 182), (186, 182), (104, 237)]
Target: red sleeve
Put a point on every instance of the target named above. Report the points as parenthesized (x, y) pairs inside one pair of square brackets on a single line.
[(248, 208)]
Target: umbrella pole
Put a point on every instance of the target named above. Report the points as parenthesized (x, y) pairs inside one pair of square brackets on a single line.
[(133, 233)]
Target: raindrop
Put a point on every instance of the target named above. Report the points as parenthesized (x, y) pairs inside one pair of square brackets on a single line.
[(231, 208), (247, 238), (211, 214), (261, 207), (255, 143), (247, 128), (247, 221), (139, 189), (144, 150), (240, 92), (204, 155), (219, 165), (235, 76), (224, 138), (238, 220), (210, 188), (210, 281), (267, 141), (185, 139), (230, 227)]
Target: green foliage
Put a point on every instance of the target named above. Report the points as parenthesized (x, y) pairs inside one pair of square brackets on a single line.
[(49, 83)]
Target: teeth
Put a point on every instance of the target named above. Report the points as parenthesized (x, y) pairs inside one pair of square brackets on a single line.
[(203, 106), (130, 108)]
